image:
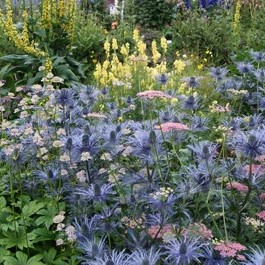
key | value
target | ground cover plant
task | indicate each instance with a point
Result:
(158, 159)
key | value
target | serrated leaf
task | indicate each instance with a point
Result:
(42, 234)
(2, 203)
(32, 208)
(48, 257)
(35, 260)
(3, 254)
(22, 258)
(19, 238)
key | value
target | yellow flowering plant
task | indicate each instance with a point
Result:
(132, 68)
(45, 39)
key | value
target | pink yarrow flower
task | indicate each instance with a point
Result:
(230, 250)
(255, 169)
(261, 215)
(149, 94)
(196, 230)
(158, 231)
(237, 186)
(262, 196)
(169, 126)
(260, 158)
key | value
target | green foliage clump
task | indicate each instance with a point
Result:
(153, 14)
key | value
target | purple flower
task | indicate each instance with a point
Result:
(144, 257)
(250, 144)
(96, 192)
(192, 81)
(162, 79)
(245, 68)
(258, 56)
(218, 72)
(183, 251)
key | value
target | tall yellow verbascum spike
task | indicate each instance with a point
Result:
(237, 16)
(163, 43)
(21, 41)
(61, 8)
(46, 18)
(156, 55)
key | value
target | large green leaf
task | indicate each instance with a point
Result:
(19, 238)
(22, 259)
(32, 208)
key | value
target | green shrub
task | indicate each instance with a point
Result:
(153, 14)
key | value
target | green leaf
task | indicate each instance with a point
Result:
(2, 203)
(11, 261)
(43, 234)
(32, 208)
(22, 258)
(19, 238)
(48, 257)
(3, 254)
(35, 260)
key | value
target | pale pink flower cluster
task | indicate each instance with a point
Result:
(197, 230)
(255, 169)
(169, 126)
(262, 196)
(237, 186)
(158, 231)
(150, 94)
(260, 158)
(261, 215)
(70, 233)
(230, 250)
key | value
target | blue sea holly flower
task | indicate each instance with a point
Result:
(258, 56)
(218, 73)
(112, 258)
(204, 150)
(245, 68)
(250, 144)
(262, 103)
(190, 102)
(212, 257)
(96, 192)
(92, 249)
(88, 94)
(192, 81)
(144, 143)
(260, 75)
(65, 97)
(198, 124)
(256, 257)
(86, 228)
(183, 251)
(162, 79)
(144, 257)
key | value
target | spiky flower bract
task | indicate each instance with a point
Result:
(144, 257)
(256, 257)
(183, 251)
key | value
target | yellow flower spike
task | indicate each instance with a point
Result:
(163, 43)
(48, 65)
(124, 51)
(179, 66)
(237, 16)
(136, 35)
(156, 55)
(114, 44)
(107, 47)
